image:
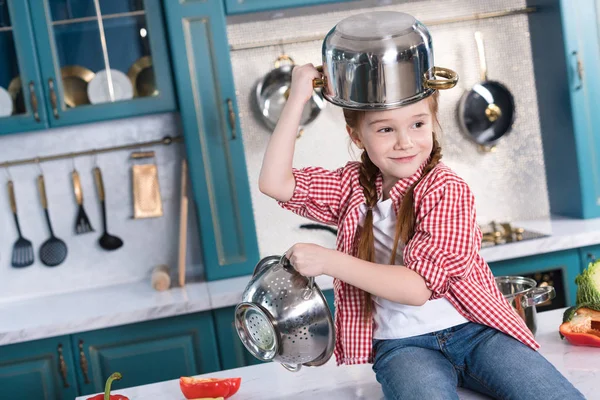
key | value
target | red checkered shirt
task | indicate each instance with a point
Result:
(444, 250)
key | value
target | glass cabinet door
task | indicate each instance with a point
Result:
(20, 92)
(102, 59)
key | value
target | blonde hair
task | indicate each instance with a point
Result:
(405, 224)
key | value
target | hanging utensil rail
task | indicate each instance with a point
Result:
(167, 140)
(443, 21)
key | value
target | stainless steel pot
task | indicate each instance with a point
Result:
(380, 60)
(284, 317)
(523, 295)
(272, 92)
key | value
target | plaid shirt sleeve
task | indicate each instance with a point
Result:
(317, 195)
(446, 238)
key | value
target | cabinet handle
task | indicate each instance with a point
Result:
(53, 99)
(231, 118)
(62, 365)
(34, 102)
(83, 363)
(579, 69)
(591, 257)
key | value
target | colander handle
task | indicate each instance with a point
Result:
(307, 292)
(292, 368)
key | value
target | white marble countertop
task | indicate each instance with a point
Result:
(270, 381)
(68, 313)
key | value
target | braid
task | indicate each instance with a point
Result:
(405, 225)
(366, 246)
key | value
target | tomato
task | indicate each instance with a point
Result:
(194, 388)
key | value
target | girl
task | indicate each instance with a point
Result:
(412, 294)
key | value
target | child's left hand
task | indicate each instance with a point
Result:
(311, 259)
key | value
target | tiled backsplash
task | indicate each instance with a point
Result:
(147, 242)
(509, 184)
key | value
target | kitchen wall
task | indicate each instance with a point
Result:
(147, 242)
(509, 184)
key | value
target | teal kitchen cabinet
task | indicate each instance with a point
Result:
(71, 62)
(146, 352)
(562, 267)
(248, 6)
(213, 141)
(566, 55)
(20, 82)
(232, 352)
(42, 370)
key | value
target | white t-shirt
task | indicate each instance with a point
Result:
(394, 320)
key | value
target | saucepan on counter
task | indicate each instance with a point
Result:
(379, 61)
(486, 112)
(272, 92)
(523, 295)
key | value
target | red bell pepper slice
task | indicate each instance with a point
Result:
(106, 395)
(194, 388)
(582, 328)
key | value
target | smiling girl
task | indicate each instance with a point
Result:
(412, 294)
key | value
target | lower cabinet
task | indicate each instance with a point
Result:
(232, 352)
(557, 269)
(41, 370)
(147, 352)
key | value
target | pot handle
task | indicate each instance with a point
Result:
(451, 79)
(538, 295)
(308, 290)
(284, 57)
(317, 83)
(292, 368)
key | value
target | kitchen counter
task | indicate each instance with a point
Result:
(270, 381)
(74, 312)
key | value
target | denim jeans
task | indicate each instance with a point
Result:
(473, 356)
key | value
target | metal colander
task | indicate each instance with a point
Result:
(284, 317)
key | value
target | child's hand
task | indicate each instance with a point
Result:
(311, 259)
(302, 83)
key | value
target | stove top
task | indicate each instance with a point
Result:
(495, 234)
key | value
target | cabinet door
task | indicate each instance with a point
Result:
(147, 352)
(42, 369)
(212, 134)
(20, 86)
(232, 352)
(568, 106)
(102, 59)
(565, 264)
(246, 6)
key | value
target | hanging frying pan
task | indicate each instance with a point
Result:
(486, 112)
(271, 95)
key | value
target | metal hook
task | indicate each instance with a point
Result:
(39, 164)
(95, 153)
(7, 172)
(73, 161)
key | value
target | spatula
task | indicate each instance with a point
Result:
(82, 222)
(53, 251)
(22, 254)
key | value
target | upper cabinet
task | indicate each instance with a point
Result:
(248, 6)
(96, 60)
(213, 140)
(20, 83)
(569, 98)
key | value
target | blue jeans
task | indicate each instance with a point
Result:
(473, 356)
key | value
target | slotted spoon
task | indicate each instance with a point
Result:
(53, 251)
(82, 222)
(22, 254)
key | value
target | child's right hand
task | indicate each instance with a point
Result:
(302, 83)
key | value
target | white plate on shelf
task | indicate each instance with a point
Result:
(6, 103)
(98, 87)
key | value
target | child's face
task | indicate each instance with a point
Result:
(398, 141)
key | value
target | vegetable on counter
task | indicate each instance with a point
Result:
(581, 325)
(107, 396)
(588, 284)
(211, 388)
